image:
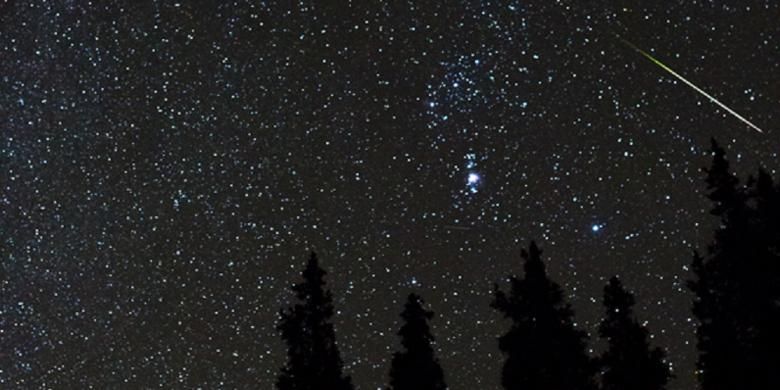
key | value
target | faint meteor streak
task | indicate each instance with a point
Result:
(690, 84)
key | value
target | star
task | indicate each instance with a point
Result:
(472, 182)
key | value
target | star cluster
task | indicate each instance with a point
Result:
(166, 167)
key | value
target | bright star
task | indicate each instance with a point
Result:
(595, 228)
(472, 182)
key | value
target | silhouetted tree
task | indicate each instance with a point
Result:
(736, 283)
(714, 288)
(628, 362)
(313, 361)
(765, 287)
(543, 349)
(416, 368)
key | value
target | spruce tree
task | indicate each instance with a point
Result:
(628, 362)
(716, 285)
(313, 361)
(416, 368)
(543, 349)
(736, 283)
(761, 305)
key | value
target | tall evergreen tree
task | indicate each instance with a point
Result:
(416, 368)
(766, 288)
(716, 292)
(313, 361)
(628, 362)
(736, 288)
(543, 348)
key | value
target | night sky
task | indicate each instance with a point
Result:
(167, 167)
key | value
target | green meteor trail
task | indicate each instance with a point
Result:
(688, 83)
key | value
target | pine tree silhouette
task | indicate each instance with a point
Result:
(765, 289)
(416, 368)
(628, 362)
(736, 288)
(544, 351)
(714, 289)
(313, 362)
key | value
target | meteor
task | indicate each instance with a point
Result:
(688, 83)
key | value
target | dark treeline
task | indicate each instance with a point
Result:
(736, 290)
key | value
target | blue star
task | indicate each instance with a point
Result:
(472, 182)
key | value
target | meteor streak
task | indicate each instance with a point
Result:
(688, 83)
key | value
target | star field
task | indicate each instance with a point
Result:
(167, 167)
